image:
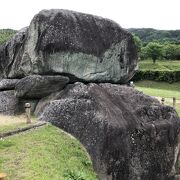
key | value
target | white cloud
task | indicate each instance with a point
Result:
(160, 14)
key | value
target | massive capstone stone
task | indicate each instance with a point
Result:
(83, 47)
(129, 135)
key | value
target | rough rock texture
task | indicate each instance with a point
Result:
(44, 101)
(8, 84)
(129, 136)
(11, 53)
(9, 104)
(12, 105)
(36, 86)
(82, 46)
(178, 164)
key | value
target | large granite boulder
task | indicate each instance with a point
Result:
(81, 46)
(9, 104)
(8, 84)
(129, 135)
(12, 105)
(36, 86)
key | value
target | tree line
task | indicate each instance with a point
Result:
(148, 35)
(6, 34)
(157, 49)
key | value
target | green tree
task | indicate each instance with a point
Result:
(6, 34)
(143, 54)
(171, 51)
(154, 50)
(148, 35)
(138, 43)
(177, 52)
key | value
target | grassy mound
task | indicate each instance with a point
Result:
(44, 153)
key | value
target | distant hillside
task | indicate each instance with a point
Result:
(6, 34)
(148, 34)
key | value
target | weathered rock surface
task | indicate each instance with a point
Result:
(129, 136)
(36, 86)
(8, 84)
(9, 104)
(45, 101)
(11, 53)
(84, 47)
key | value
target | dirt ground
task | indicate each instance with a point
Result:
(8, 120)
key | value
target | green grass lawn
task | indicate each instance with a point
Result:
(161, 89)
(44, 153)
(12, 127)
(160, 65)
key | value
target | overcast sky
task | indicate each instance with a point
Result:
(159, 14)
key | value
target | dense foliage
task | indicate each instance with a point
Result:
(163, 70)
(148, 35)
(167, 76)
(155, 50)
(6, 34)
(161, 45)
(171, 51)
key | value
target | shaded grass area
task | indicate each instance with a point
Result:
(161, 89)
(160, 65)
(44, 153)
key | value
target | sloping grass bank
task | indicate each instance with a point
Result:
(44, 153)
